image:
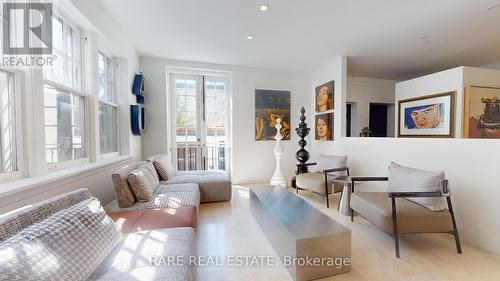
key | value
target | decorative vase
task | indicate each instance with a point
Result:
(278, 178)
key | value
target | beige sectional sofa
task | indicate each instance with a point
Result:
(183, 188)
(70, 237)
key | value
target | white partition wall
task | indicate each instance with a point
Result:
(471, 165)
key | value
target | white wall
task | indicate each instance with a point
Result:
(471, 165)
(253, 162)
(362, 91)
(98, 179)
(441, 82)
(495, 65)
(336, 70)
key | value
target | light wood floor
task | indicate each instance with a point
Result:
(229, 229)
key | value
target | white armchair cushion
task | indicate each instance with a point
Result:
(332, 162)
(406, 179)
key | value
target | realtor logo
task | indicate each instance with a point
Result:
(27, 28)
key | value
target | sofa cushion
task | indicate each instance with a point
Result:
(124, 194)
(412, 217)
(172, 199)
(138, 256)
(406, 179)
(152, 170)
(17, 220)
(151, 219)
(332, 162)
(178, 187)
(68, 245)
(142, 183)
(213, 187)
(164, 167)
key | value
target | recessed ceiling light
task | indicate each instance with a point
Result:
(494, 6)
(264, 7)
(250, 37)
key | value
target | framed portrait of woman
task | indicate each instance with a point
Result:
(324, 97)
(428, 116)
(324, 127)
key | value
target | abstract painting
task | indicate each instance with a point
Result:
(324, 97)
(481, 113)
(324, 127)
(269, 106)
(427, 116)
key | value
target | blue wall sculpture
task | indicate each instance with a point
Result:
(137, 111)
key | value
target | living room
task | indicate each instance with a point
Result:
(189, 143)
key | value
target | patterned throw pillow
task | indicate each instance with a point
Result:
(142, 183)
(124, 195)
(164, 168)
(68, 245)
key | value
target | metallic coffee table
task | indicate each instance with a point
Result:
(298, 230)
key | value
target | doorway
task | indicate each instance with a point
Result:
(200, 107)
(381, 120)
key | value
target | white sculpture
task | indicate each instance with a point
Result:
(278, 178)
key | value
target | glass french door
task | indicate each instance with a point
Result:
(200, 122)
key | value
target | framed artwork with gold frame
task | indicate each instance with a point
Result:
(481, 112)
(324, 96)
(431, 116)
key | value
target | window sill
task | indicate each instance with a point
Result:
(69, 174)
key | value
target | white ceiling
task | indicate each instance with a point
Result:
(382, 38)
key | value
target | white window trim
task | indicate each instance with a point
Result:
(117, 99)
(225, 75)
(19, 123)
(53, 167)
(30, 107)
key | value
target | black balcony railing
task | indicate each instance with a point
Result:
(188, 156)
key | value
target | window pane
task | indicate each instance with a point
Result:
(66, 67)
(64, 125)
(108, 128)
(56, 71)
(69, 42)
(106, 89)
(8, 141)
(102, 89)
(210, 104)
(101, 65)
(57, 33)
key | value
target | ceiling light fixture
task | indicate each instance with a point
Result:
(250, 37)
(494, 6)
(264, 7)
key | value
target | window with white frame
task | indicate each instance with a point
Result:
(108, 106)
(64, 100)
(8, 124)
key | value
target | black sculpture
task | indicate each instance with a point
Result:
(302, 155)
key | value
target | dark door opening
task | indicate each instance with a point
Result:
(348, 120)
(378, 120)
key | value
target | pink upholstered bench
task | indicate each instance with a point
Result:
(151, 219)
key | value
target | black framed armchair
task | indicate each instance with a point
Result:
(398, 212)
(322, 182)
